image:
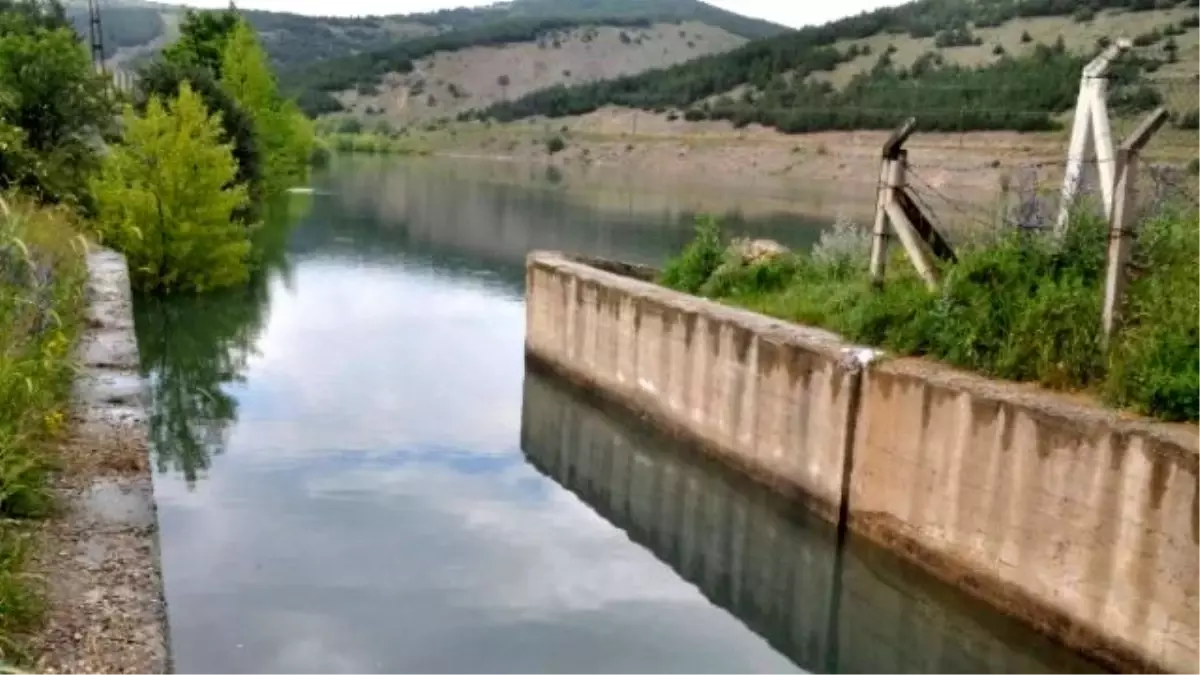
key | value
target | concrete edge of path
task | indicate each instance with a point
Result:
(99, 555)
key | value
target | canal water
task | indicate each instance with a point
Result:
(355, 471)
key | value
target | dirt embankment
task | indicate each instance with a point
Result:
(952, 171)
(98, 556)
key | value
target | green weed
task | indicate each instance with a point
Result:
(1020, 307)
(42, 273)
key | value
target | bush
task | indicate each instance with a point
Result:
(555, 144)
(699, 259)
(166, 198)
(1026, 38)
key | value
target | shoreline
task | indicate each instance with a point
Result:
(963, 176)
(98, 554)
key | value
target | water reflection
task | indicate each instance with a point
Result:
(466, 209)
(193, 348)
(776, 568)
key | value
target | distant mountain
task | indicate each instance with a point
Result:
(293, 40)
(963, 64)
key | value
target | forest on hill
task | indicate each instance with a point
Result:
(776, 81)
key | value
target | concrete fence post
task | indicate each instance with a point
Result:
(1121, 223)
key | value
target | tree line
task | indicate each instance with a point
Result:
(179, 181)
(1020, 93)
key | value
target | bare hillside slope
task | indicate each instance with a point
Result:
(446, 83)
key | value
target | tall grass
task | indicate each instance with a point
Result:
(42, 273)
(1019, 307)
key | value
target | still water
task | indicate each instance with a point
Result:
(356, 472)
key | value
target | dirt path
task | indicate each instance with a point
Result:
(99, 555)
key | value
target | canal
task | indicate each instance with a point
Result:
(355, 472)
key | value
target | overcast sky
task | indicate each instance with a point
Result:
(794, 13)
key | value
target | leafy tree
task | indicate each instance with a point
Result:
(51, 94)
(166, 198)
(202, 38)
(163, 79)
(285, 136)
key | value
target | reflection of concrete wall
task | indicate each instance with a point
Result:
(775, 401)
(1072, 518)
(778, 573)
(735, 549)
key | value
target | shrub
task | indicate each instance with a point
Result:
(555, 144)
(699, 259)
(166, 198)
(1026, 38)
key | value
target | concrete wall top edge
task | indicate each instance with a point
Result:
(1070, 409)
(812, 339)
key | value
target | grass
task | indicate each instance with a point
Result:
(42, 272)
(373, 143)
(1017, 306)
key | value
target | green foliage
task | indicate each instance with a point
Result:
(368, 143)
(555, 144)
(1154, 367)
(1021, 308)
(49, 92)
(699, 259)
(202, 38)
(163, 79)
(42, 275)
(285, 136)
(1023, 94)
(166, 197)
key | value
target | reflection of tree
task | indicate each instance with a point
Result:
(192, 347)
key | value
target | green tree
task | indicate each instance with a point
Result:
(163, 79)
(285, 136)
(202, 38)
(51, 94)
(166, 197)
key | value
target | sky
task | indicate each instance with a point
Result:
(793, 13)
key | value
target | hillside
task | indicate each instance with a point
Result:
(446, 83)
(294, 41)
(961, 65)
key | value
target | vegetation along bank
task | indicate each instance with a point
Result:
(179, 176)
(1016, 306)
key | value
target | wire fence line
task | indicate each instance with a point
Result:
(1030, 200)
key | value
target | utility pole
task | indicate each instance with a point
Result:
(97, 35)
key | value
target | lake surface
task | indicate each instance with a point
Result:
(356, 472)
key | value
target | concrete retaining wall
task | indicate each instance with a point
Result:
(1078, 520)
(105, 610)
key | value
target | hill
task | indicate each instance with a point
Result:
(450, 74)
(293, 41)
(960, 64)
